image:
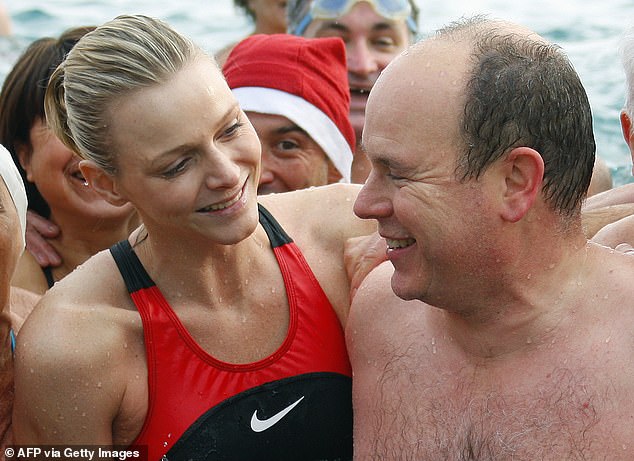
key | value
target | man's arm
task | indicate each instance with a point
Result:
(617, 233)
(595, 219)
(615, 196)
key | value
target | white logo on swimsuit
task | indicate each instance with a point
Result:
(259, 425)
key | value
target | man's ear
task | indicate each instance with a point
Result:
(626, 128)
(102, 182)
(523, 178)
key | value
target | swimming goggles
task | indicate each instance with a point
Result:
(332, 9)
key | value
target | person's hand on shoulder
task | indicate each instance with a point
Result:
(361, 255)
(38, 229)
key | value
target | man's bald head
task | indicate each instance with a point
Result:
(506, 86)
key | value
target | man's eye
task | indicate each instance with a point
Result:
(287, 145)
(385, 42)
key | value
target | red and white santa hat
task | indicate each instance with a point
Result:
(304, 80)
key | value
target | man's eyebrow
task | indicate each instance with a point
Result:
(333, 24)
(290, 129)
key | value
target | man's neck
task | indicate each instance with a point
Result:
(526, 312)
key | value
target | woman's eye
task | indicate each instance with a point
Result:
(176, 169)
(233, 128)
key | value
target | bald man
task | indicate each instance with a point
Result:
(482, 151)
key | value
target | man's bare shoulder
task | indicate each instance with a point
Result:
(377, 316)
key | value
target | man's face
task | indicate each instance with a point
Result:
(372, 41)
(291, 159)
(433, 223)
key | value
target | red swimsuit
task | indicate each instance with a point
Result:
(294, 404)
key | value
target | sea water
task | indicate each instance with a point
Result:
(587, 30)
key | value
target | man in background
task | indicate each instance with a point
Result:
(374, 31)
(295, 93)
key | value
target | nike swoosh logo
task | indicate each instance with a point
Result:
(259, 425)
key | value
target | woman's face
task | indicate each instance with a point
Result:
(54, 169)
(187, 156)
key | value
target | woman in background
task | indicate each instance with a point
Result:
(55, 187)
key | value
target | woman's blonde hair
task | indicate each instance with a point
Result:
(122, 56)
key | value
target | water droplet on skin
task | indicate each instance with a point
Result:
(607, 340)
(605, 296)
(529, 340)
(528, 277)
(433, 346)
(551, 266)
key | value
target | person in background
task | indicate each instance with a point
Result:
(55, 187)
(13, 204)
(621, 231)
(374, 31)
(217, 326)
(496, 330)
(268, 16)
(295, 93)
(5, 20)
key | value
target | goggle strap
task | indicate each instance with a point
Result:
(303, 24)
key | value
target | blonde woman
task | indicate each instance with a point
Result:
(215, 330)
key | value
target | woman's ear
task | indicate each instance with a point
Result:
(23, 152)
(523, 178)
(102, 182)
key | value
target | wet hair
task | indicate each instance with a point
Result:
(22, 99)
(122, 56)
(244, 5)
(523, 91)
(296, 10)
(627, 60)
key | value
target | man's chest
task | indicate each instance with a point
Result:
(429, 414)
